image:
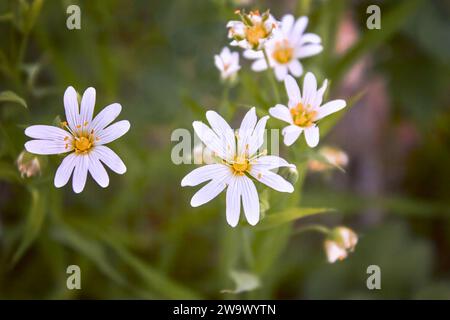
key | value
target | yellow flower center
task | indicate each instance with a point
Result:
(240, 165)
(283, 53)
(255, 33)
(303, 116)
(82, 144)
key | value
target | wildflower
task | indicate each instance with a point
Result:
(240, 160)
(339, 243)
(84, 138)
(28, 165)
(228, 64)
(288, 46)
(304, 110)
(333, 157)
(252, 31)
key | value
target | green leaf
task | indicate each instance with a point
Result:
(33, 14)
(33, 225)
(245, 281)
(9, 96)
(90, 248)
(6, 17)
(288, 215)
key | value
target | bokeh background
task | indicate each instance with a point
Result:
(139, 238)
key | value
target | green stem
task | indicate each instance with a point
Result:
(273, 80)
(312, 227)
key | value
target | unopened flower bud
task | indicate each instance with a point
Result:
(339, 243)
(332, 158)
(289, 173)
(28, 164)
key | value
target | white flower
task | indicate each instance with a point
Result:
(240, 161)
(84, 137)
(288, 46)
(228, 63)
(341, 241)
(304, 110)
(252, 31)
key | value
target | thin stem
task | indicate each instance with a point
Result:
(272, 76)
(313, 227)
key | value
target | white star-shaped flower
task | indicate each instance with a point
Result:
(289, 44)
(252, 31)
(239, 163)
(85, 139)
(228, 63)
(304, 110)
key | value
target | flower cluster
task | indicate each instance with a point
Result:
(237, 161)
(278, 45)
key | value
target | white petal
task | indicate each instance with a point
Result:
(295, 68)
(281, 112)
(71, 108)
(210, 139)
(310, 38)
(233, 203)
(222, 128)
(46, 132)
(208, 192)
(205, 173)
(64, 170)
(246, 130)
(110, 158)
(250, 199)
(281, 72)
(218, 62)
(106, 116)
(259, 65)
(257, 138)
(80, 173)
(46, 147)
(309, 88)
(286, 23)
(271, 162)
(292, 89)
(312, 136)
(319, 95)
(300, 26)
(308, 51)
(330, 107)
(87, 106)
(291, 134)
(97, 170)
(271, 179)
(113, 132)
(252, 54)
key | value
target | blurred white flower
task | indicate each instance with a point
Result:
(304, 110)
(239, 160)
(289, 44)
(252, 31)
(228, 64)
(333, 158)
(28, 164)
(84, 137)
(339, 243)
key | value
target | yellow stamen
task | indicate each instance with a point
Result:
(82, 144)
(283, 53)
(303, 116)
(255, 33)
(240, 166)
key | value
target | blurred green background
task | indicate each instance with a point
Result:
(139, 238)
